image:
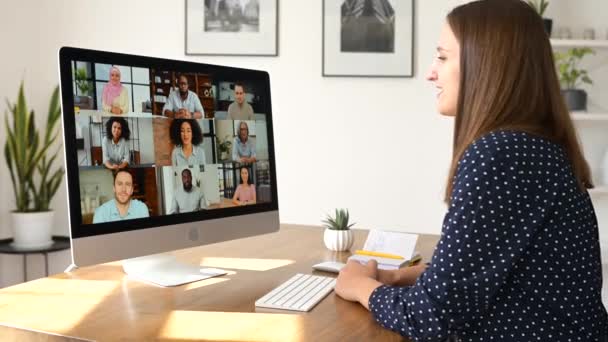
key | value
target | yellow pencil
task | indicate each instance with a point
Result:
(378, 254)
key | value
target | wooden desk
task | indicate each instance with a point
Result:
(101, 303)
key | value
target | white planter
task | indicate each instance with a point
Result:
(32, 230)
(338, 240)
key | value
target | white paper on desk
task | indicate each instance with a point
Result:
(402, 244)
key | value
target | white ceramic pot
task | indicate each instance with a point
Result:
(32, 230)
(338, 240)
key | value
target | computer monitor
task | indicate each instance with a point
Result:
(162, 155)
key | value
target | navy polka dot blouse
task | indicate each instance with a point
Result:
(518, 258)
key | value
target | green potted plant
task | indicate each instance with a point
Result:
(84, 86)
(35, 181)
(571, 76)
(337, 235)
(223, 147)
(540, 7)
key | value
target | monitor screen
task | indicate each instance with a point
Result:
(153, 142)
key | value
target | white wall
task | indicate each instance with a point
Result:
(373, 145)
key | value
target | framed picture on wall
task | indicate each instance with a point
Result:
(232, 27)
(368, 38)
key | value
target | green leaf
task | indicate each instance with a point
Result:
(9, 162)
(543, 7)
(12, 145)
(570, 74)
(21, 123)
(587, 80)
(339, 221)
(539, 7)
(53, 115)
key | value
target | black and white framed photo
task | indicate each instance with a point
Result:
(368, 38)
(232, 27)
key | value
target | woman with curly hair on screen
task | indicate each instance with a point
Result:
(115, 145)
(187, 136)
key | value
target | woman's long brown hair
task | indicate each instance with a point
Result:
(508, 80)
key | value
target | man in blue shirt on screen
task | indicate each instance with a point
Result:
(183, 103)
(122, 207)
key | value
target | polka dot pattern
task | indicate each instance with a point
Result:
(518, 258)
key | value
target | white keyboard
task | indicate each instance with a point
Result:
(300, 293)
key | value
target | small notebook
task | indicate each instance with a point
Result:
(396, 243)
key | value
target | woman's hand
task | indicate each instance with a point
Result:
(388, 277)
(356, 282)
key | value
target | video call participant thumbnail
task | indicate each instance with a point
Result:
(115, 145)
(243, 150)
(183, 103)
(187, 136)
(245, 192)
(240, 109)
(121, 207)
(115, 96)
(187, 197)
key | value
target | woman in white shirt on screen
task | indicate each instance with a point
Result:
(115, 97)
(115, 146)
(187, 136)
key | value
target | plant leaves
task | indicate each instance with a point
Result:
(9, 162)
(339, 221)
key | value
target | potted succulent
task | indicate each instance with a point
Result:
(540, 7)
(570, 76)
(33, 177)
(223, 146)
(337, 235)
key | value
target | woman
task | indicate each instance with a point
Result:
(244, 149)
(518, 258)
(245, 192)
(187, 136)
(115, 145)
(115, 97)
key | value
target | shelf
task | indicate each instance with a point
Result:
(580, 43)
(582, 116)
